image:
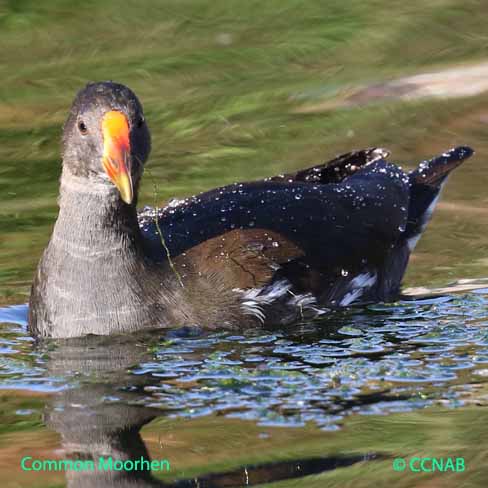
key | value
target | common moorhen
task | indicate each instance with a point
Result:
(265, 252)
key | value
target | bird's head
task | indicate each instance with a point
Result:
(106, 138)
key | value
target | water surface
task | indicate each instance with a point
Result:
(321, 381)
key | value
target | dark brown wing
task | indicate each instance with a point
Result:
(243, 258)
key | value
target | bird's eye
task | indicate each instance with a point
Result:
(140, 122)
(82, 127)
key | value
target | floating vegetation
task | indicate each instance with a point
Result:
(379, 360)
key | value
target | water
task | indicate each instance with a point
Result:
(316, 378)
(384, 359)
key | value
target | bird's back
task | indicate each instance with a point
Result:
(337, 233)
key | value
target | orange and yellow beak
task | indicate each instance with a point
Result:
(116, 153)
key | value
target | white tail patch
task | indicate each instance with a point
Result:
(412, 241)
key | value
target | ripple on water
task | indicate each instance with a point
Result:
(376, 361)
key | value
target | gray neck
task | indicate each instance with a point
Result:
(93, 277)
(93, 221)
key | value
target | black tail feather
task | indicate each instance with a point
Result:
(435, 171)
(426, 183)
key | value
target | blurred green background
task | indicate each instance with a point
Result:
(239, 90)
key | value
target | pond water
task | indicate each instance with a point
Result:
(426, 354)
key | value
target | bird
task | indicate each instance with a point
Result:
(273, 252)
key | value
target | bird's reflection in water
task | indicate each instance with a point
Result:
(95, 418)
(98, 417)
